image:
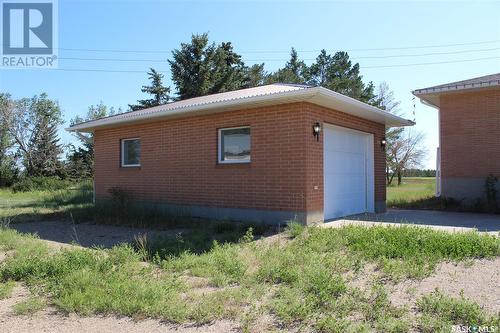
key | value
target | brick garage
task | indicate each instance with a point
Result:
(179, 164)
(469, 134)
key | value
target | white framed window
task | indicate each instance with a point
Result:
(131, 152)
(234, 145)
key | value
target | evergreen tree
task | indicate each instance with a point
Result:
(295, 71)
(199, 68)
(159, 92)
(337, 73)
(255, 75)
(46, 151)
(42, 158)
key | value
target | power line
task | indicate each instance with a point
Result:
(101, 70)
(288, 51)
(307, 59)
(431, 63)
(391, 48)
(363, 67)
(427, 54)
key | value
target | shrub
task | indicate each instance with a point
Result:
(27, 184)
(9, 173)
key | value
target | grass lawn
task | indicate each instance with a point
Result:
(36, 205)
(411, 191)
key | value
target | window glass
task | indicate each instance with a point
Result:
(131, 152)
(235, 145)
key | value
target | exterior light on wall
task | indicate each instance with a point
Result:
(383, 143)
(316, 130)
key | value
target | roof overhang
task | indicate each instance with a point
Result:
(316, 95)
(430, 96)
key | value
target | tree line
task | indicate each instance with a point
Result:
(30, 145)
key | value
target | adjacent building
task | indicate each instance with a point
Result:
(469, 134)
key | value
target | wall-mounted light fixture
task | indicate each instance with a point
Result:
(316, 130)
(383, 143)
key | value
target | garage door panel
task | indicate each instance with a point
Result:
(345, 172)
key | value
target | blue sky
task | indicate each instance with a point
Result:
(264, 31)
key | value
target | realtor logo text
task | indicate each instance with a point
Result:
(29, 34)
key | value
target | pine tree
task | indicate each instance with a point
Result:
(159, 92)
(255, 75)
(295, 71)
(199, 68)
(46, 151)
(337, 73)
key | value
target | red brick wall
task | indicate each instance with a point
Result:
(470, 134)
(179, 159)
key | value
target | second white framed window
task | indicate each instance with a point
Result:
(234, 145)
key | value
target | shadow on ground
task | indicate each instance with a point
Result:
(162, 242)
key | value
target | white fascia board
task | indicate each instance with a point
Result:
(218, 106)
(458, 87)
(368, 111)
(363, 109)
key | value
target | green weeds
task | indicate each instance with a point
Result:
(439, 312)
(301, 282)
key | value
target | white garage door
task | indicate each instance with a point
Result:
(348, 172)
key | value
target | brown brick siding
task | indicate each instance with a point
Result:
(470, 134)
(179, 159)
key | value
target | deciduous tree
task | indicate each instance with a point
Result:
(80, 159)
(32, 124)
(404, 148)
(8, 167)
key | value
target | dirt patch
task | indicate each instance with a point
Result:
(477, 280)
(47, 322)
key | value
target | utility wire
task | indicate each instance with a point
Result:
(288, 51)
(431, 63)
(363, 67)
(310, 59)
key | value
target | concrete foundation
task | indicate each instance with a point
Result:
(380, 207)
(224, 213)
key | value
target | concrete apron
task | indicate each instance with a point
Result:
(437, 220)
